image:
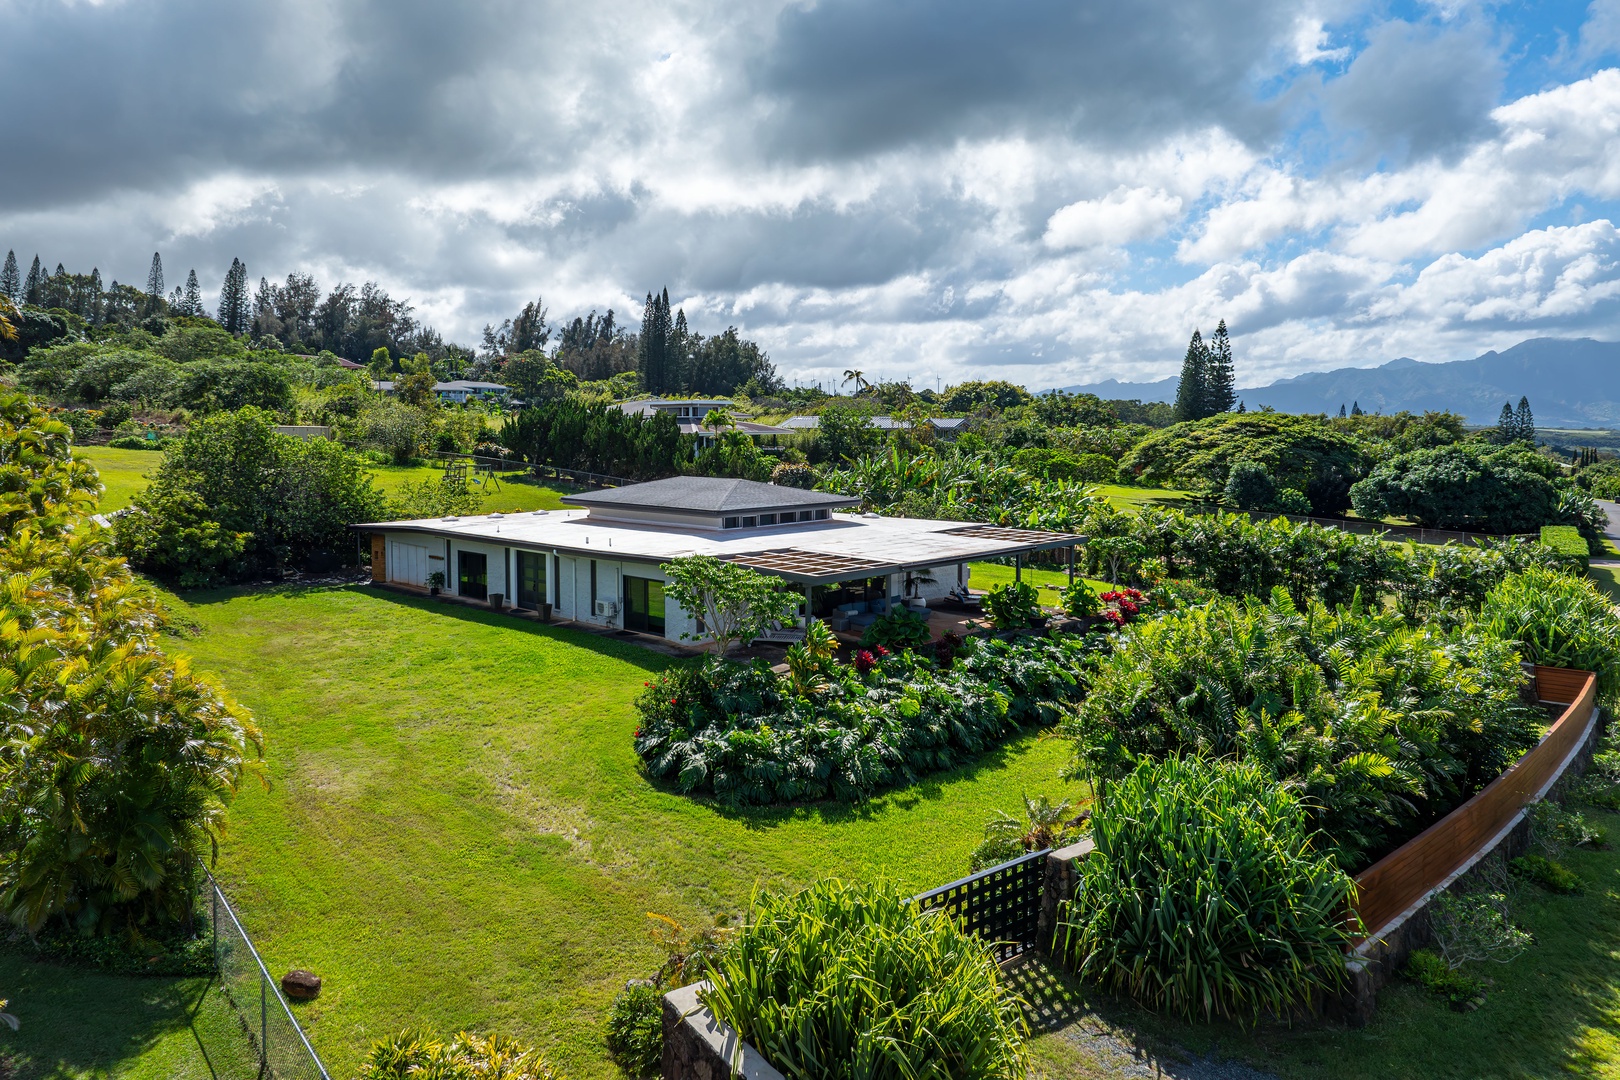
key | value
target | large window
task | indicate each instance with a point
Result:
(644, 605)
(472, 574)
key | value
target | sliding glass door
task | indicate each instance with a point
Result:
(644, 605)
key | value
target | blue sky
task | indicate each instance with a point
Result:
(1033, 189)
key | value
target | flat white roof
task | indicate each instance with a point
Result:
(876, 545)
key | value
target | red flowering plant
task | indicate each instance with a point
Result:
(1121, 606)
(864, 661)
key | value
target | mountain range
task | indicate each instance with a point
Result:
(1571, 383)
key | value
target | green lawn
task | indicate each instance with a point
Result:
(1553, 1011)
(80, 1023)
(124, 473)
(457, 833)
(1134, 498)
(1048, 583)
(517, 491)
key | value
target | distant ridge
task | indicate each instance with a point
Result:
(1571, 383)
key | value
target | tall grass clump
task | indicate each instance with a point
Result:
(1558, 621)
(845, 980)
(1207, 895)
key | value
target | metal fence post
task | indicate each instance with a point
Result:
(264, 1025)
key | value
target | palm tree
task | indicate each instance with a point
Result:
(857, 377)
(719, 418)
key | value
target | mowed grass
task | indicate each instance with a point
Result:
(124, 473)
(457, 833)
(76, 1022)
(1048, 583)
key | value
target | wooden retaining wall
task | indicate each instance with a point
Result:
(1401, 879)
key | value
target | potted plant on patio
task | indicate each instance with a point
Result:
(435, 582)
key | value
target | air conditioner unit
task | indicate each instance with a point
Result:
(607, 608)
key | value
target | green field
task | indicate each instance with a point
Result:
(124, 473)
(458, 835)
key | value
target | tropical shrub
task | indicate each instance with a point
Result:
(419, 1055)
(1043, 825)
(1550, 875)
(1012, 606)
(746, 735)
(635, 1030)
(1554, 829)
(854, 981)
(899, 629)
(1429, 970)
(1474, 927)
(1207, 895)
(116, 761)
(1079, 601)
(1558, 621)
(1448, 583)
(1380, 726)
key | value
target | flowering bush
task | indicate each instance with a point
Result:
(1123, 605)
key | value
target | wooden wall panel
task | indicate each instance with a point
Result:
(1401, 878)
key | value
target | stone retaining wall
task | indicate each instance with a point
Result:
(697, 1046)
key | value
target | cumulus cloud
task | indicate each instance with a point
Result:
(1035, 189)
(1121, 216)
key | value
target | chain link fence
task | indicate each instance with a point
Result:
(279, 1044)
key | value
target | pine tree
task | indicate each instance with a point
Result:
(1220, 380)
(34, 287)
(233, 299)
(93, 300)
(1341, 410)
(1190, 401)
(154, 277)
(1507, 427)
(1242, 408)
(11, 278)
(652, 351)
(192, 301)
(1355, 409)
(1524, 423)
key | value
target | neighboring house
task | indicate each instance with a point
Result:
(599, 564)
(689, 415)
(305, 431)
(458, 390)
(945, 425)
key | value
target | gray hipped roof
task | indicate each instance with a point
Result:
(708, 494)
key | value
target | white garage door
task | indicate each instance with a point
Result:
(407, 563)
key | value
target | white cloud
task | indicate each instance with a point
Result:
(1120, 217)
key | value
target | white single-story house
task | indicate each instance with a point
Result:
(457, 390)
(599, 562)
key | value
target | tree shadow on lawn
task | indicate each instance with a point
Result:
(929, 789)
(630, 652)
(78, 1020)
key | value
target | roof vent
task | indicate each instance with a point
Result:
(870, 514)
(496, 514)
(451, 517)
(541, 513)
